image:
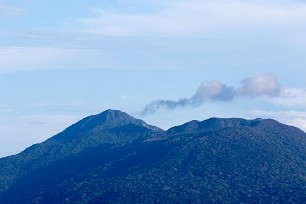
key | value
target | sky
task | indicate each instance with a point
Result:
(166, 62)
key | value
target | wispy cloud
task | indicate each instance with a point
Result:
(215, 21)
(291, 117)
(256, 86)
(74, 50)
(10, 11)
(197, 17)
(290, 97)
(20, 58)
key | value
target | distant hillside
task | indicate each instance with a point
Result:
(115, 158)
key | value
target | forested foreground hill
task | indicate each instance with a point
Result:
(114, 158)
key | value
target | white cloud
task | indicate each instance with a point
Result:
(294, 118)
(23, 57)
(260, 86)
(198, 17)
(73, 50)
(265, 84)
(214, 90)
(290, 97)
(17, 58)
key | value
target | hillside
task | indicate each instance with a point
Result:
(114, 158)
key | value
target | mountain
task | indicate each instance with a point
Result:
(213, 123)
(115, 158)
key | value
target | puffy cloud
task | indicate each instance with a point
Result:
(256, 86)
(260, 85)
(213, 90)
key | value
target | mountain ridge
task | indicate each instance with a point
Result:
(113, 152)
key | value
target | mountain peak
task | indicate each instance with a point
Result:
(113, 118)
(106, 120)
(113, 112)
(110, 118)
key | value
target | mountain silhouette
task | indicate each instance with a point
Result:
(113, 157)
(107, 120)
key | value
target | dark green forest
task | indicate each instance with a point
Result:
(115, 158)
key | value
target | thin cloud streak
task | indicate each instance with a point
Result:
(21, 58)
(291, 117)
(290, 97)
(197, 17)
(10, 11)
(256, 86)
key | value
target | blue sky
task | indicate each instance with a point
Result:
(62, 61)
